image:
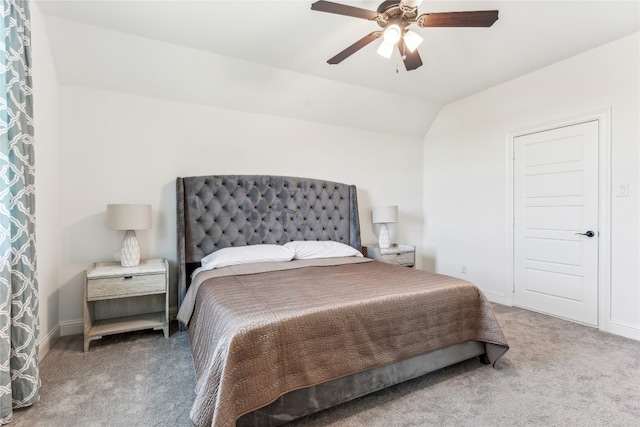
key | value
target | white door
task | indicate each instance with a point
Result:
(555, 193)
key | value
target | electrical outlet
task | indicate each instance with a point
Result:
(463, 269)
(623, 190)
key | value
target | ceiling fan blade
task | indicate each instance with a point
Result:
(481, 18)
(354, 47)
(343, 9)
(411, 60)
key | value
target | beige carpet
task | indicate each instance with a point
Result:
(556, 373)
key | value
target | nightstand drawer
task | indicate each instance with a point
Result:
(404, 255)
(123, 286)
(399, 258)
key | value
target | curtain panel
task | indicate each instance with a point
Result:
(19, 328)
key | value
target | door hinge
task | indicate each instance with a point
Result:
(514, 287)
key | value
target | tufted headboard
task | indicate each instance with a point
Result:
(218, 211)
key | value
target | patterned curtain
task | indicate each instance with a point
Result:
(19, 372)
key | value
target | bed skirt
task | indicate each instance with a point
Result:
(305, 401)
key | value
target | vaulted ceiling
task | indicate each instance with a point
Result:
(280, 41)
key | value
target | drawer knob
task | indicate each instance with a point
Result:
(128, 277)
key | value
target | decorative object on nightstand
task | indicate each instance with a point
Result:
(383, 215)
(129, 217)
(118, 299)
(395, 254)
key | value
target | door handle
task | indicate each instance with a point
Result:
(588, 234)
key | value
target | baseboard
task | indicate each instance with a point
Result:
(625, 329)
(494, 296)
(71, 327)
(47, 342)
(616, 327)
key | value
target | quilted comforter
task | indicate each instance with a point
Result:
(258, 331)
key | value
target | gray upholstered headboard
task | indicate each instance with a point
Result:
(218, 211)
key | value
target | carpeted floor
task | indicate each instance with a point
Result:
(556, 373)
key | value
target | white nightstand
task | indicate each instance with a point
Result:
(124, 299)
(395, 254)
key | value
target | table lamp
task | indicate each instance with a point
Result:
(129, 217)
(383, 215)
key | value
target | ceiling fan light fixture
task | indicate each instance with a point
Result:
(386, 49)
(392, 34)
(412, 40)
(394, 17)
(412, 3)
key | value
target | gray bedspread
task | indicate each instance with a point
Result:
(262, 331)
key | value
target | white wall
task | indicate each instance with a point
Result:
(133, 114)
(119, 148)
(99, 58)
(466, 170)
(45, 86)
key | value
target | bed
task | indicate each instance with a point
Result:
(274, 339)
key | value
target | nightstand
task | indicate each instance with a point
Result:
(395, 254)
(123, 299)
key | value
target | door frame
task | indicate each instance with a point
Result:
(604, 206)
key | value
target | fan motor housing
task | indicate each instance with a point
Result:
(393, 11)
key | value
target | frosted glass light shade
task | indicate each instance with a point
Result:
(412, 40)
(386, 49)
(384, 214)
(412, 3)
(392, 34)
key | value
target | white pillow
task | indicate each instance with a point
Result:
(246, 254)
(309, 249)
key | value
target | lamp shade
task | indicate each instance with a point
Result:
(386, 49)
(412, 40)
(384, 214)
(392, 34)
(128, 217)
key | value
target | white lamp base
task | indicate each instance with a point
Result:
(384, 240)
(130, 255)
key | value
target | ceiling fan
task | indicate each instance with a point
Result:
(395, 17)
